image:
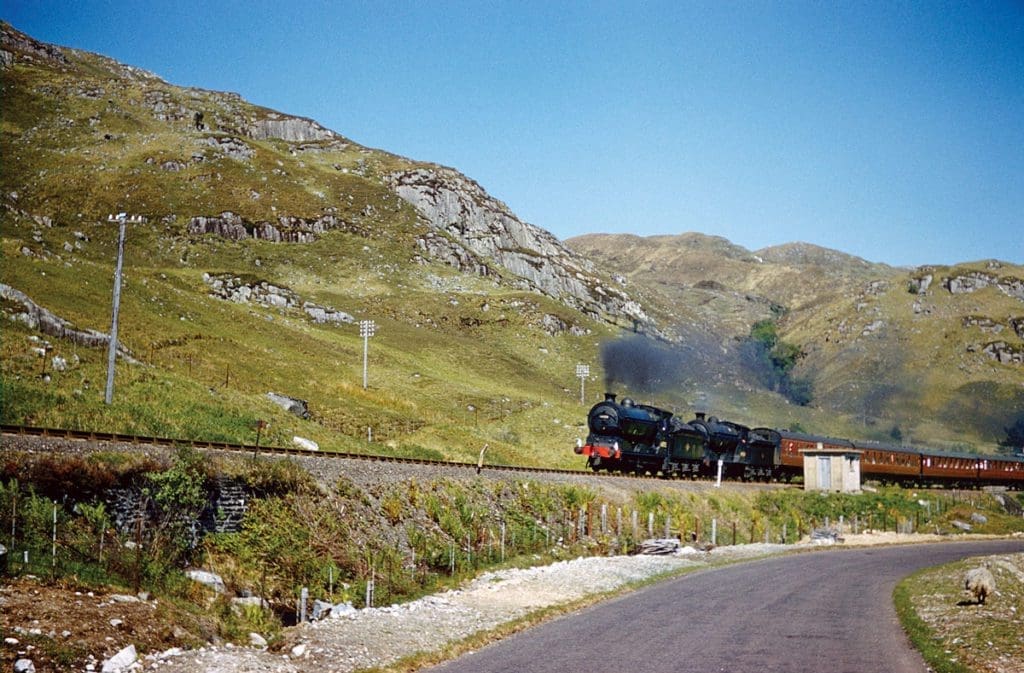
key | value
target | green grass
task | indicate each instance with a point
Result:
(447, 342)
(932, 649)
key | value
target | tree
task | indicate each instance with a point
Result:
(772, 361)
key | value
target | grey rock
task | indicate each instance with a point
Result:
(321, 610)
(292, 405)
(120, 661)
(478, 234)
(292, 129)
(206, 578)
(24, 666)
(306, 444)
(37, 317)
(339, 610)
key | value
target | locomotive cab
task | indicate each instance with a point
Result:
(626, 436)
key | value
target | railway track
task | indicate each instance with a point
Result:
(141, 440)
(205, 445)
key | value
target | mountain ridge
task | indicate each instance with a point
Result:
(261, 225)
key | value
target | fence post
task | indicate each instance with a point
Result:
(53, 553)
(714, 531)
(303, 597)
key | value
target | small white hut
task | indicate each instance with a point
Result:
(833, 469)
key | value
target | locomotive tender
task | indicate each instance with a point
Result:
(642, 439)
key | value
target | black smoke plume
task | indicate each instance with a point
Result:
(640, 363)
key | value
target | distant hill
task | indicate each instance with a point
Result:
(268, 237)
(931, 354)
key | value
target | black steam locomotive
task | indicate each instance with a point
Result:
(642, 439)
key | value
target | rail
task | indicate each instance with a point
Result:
(112, 437)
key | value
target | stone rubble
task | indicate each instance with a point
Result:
(349, 640)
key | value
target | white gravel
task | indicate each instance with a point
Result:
(380, 636)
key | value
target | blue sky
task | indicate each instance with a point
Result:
(893, 131)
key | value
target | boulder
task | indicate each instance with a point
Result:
(303, 443)
(120, 661)
(208, 579)
(290, 404)
(322, 610)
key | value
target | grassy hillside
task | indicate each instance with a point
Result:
(888, 357)
(459, 360)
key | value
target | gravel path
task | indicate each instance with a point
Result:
(380, 636)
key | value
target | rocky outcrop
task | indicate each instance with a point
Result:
(15, 43)
(285, 230)
(920, 284)
(230, 287)
(987, 325)
(1018, 326)
(1000, 351)
(478, 234)
(972, 281)
(234, 148)
(292, 129)
(38, 318)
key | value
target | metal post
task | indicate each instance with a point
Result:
(582, 372)
(121, 219)
(718, 480)
(366, 330)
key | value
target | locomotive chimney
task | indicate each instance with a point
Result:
(609, 397)
(700, 415)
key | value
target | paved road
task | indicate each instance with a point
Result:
(829, 611)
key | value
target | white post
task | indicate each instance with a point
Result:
(582, 372)
(714, 528)
(366, 330)
(53, 554)
(718, 481)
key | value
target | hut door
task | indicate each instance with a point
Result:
(825, 473)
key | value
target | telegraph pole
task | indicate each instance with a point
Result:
(121, 219)
(582, 372)
(366, 330)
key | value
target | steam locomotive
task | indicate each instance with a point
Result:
(642, 439)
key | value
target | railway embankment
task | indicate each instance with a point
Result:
(359, 533)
